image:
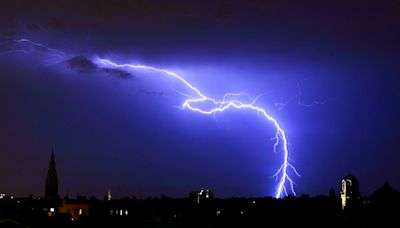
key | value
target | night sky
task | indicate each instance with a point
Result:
(328, 72)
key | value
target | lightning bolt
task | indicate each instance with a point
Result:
(193, 103)
(297, 97)
(33, 46)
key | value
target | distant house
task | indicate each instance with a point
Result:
(75, 209)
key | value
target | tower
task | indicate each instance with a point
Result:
(350, 193)
(51, 191)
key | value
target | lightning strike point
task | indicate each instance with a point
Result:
(222, 105)
(228, 101)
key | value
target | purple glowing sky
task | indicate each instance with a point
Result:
(124, 130)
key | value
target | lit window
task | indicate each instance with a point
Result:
(349, 182)
(126, 212)
(52, 209)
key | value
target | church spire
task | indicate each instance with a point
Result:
(51, 191)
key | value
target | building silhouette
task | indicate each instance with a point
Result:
(51, 190)
(350, 193)
(386, 196)
(201, 196)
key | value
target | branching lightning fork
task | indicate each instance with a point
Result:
(220, 106)
(194, 101)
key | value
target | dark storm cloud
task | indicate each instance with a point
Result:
(344, 47)
(32, 27)
(7, 27)
(260, 4)
(101, 8)
(137, 9)
(83, 64)
(55, 24)
(225, 14)
(58, 13)
(121, 74)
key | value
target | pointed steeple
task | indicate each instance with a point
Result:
(51, 191)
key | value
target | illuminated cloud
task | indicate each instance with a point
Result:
(83, 64)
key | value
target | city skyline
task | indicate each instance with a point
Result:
(327, 73)
(51, 190)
